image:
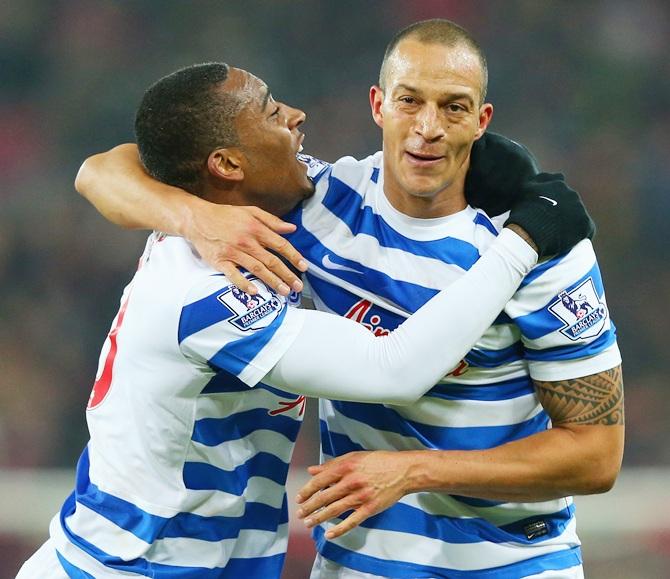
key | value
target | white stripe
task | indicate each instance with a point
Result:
(534, 296)
(79, 558)
(570, 369)
(489, 376)
(250, 544)
(225, 404)
(443, 504)
(366, 250)
(409, 548)
(177, 551)
(470, 413)
(498, 337)
(364, 435)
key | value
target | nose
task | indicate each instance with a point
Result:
(428, 123)
(294, 117)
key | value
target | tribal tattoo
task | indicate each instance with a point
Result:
(594, 399)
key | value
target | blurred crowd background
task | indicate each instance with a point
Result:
(584, 84)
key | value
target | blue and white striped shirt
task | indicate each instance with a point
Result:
(185, 471)
(375, 265)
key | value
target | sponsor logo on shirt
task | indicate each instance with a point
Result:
(358, 313)
(581, 311)
(288, 405)
(251, 312)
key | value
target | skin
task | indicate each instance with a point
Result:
(581, 454)
(226, 236)
(268, 138)
(430, 113)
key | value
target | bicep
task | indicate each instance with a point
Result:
(596, 399)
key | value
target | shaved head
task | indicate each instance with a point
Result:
(436, 31)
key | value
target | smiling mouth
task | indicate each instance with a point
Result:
(423, 159)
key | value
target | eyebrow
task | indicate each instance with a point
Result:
(452, 96)
(265, 98)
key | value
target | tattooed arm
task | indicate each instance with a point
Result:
(581, 454)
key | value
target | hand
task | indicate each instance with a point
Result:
(365, 482)
(552, 214)
(228, 237)
(498, 168)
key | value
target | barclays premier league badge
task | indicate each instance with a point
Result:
(251, 312)
(581, 310)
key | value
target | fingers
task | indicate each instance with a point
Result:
(271, 240)
(237, 278)
(315, 484)
(272, 221)
(352, 521)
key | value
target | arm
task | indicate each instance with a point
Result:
(580, 454)
(117, 185)
(353, 364)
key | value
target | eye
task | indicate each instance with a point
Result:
(455, 108)
(275, 113)
(408, 100)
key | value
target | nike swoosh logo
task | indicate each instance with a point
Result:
(330, 264)
(552, 201)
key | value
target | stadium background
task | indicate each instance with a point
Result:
(586, 85)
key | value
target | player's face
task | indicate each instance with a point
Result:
(274, 179)
(430, 114)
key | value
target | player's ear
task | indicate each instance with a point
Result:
(376, 100)
(226, 164)
(485, 116)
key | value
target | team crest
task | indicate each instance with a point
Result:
(251, 312)
(581, 311)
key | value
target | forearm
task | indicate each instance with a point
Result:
(562, 461)
(401, 367)
(119, 188)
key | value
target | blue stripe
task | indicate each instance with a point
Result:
(574, 352)
(72, 571)
(404, 570)
(340, 301)
(375, 175)
(484, 221)
(505, 390)
(542, 322)
(203, 313)
(213, 431)
(439, 437)
(149, 527)
(202, 476)
(224, 381)
(404, 518)
(252, 568)
(235, 356)
(542, 268)
(483, 358)
(347, 204)
(332, 440)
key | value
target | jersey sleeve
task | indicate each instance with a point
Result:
(561, 311)
(227, 329)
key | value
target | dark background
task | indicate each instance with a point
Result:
(585, 85)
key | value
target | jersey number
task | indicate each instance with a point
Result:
(104, 379)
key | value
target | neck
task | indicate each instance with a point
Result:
(447, 201)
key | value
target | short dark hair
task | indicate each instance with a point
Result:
(436, 31)
(182, 118)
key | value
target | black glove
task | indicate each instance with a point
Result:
(552, 214)
(498, 169)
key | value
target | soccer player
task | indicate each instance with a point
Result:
(192, 416)
(476, 478)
